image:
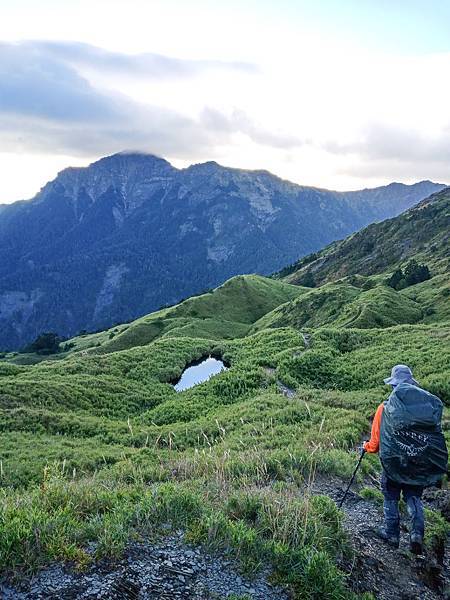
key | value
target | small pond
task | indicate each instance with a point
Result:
(200, 371)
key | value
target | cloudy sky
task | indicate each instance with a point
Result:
(341, 94)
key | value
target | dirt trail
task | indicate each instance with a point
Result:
(306, 339)
(284, 389)
(287, 391)
(388, 573)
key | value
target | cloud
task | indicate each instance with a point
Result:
(240, 122)
(382, 141)
(159, 131)
(397, 152)
(148, 65)
(67, 98)
(48, 104)
(33, 84)
(396, 170)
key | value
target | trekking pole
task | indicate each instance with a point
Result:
(353, 478)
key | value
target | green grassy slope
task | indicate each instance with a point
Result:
(433, 296)
(352, 275)
(123, 397)
(114, 423)
(421, 232)
(224, 313)
(98, 447)
(342, 304)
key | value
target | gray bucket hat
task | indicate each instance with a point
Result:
(400, 374)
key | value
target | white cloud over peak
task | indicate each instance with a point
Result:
(313, 107)
(49, 102)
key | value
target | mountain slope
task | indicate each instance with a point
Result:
(342, 304)
(130, 233)
(100, 455)
(423, 232)
(352, 275)
(227, 312)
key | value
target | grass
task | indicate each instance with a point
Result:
(97, 448)
(227, 312)
(433, 297)
(348, 304)
(57, 520)
(100, 448)
(224, 313)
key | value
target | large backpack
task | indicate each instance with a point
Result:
(412, 446)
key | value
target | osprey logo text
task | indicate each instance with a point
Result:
(411, 442)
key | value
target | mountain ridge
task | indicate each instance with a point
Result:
(427, 223)
(131, 233)
(358, 298)
(130, 154)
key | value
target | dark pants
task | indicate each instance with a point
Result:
(412, 496)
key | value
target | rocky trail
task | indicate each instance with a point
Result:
(376, 567)
(287, 391)
(171, 569)
(166, 570)
(283, 388)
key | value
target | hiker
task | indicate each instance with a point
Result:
(406, 431)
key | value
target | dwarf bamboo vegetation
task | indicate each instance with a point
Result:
(97, 446)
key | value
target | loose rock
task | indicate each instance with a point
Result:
(167, 570)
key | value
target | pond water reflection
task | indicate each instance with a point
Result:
(199, 372)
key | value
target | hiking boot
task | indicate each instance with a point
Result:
(416, 543)
(392, 540)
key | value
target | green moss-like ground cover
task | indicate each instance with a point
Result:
(99, 446)
(96, 445)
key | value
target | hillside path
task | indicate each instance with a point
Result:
(376, 567)
(168, 569)
(287, 391)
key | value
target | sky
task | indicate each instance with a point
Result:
(341, 94)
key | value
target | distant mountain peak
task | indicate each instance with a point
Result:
(130, 156)
(131, 174)
(124, 159)
(130, 232)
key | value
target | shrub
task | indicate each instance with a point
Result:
(413, 273)
(46, 343)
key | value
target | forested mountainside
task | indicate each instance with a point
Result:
(130, 233)
(348, 284)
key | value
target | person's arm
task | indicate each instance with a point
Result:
(373, 444)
